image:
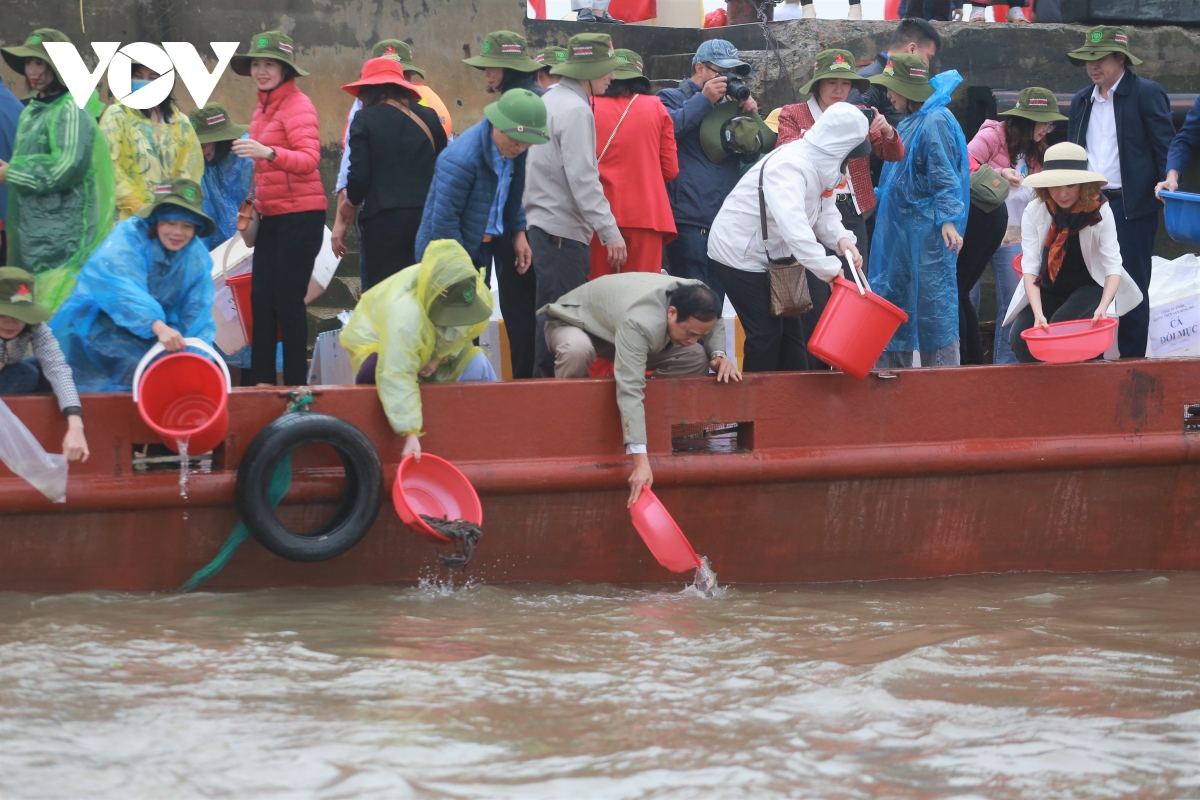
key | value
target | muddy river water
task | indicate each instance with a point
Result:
(984, 687)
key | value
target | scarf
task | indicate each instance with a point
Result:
(1065, 222)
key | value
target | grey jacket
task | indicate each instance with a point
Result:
(563, 195)
(629, 311)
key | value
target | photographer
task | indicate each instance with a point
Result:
(702, 185)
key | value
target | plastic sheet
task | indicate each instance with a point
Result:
(60, 199)
(146, 154)
(392, 319)
(226, 184)
(24, 455)
(1174, 329)
(131, 281)
(910, 264)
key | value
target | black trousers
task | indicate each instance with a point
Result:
(561, 265)
(773, 344)
(518, 302)
(985, 232)
(1081, 304)
(284, 252)
(389, 240)
(1136, 237)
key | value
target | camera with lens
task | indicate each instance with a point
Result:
(736, 88)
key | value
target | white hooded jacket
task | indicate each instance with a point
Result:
(802, 214)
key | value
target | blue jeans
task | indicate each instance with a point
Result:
(947, 356)
(478, 369)
(1007, 281)
(23, 377)
(687, 257)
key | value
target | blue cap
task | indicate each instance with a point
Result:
(723, 54)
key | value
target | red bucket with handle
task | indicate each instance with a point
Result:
(856, 326)
(184, 397)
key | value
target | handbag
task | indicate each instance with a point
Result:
(247, 221)
(789, 282)
(988, 189)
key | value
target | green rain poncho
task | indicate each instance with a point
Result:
(60, 199)
(392, 319)
(146, 154)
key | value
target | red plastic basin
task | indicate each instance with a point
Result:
(854, 329)
(183, 397)
(660, 533)
(1070, 341)
(434, 487)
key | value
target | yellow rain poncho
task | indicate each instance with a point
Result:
(146, 154)
(392, 319)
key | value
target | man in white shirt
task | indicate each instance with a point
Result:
(1124, 123)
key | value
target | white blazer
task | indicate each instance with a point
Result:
(1101, 254)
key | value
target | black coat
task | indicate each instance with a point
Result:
(1144, 134)
(391, 158)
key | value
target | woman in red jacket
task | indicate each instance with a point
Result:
(635, 138)
(290, 200)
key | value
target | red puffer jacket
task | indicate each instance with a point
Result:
(286, 121)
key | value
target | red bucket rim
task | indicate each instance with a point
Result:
(1039, 335)
(887, 305)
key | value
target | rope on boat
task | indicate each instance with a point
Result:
(281, 482)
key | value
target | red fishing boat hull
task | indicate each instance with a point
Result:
(1070, 468)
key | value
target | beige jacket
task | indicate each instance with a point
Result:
(563, 194)
(629, 311)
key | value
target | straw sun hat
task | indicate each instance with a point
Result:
(1065, 164)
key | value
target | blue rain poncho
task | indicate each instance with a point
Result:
(226, 184)
(130, 282)
(910, 263)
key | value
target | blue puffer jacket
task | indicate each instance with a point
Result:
(464, 186)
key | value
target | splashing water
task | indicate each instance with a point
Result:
(705, 581)
(182, 445)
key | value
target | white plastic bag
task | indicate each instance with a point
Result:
(1174, 308)
(22, 454)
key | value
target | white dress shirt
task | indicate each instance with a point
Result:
(1103, 154)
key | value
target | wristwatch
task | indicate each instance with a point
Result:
(271, 155)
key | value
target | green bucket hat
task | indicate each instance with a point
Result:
(547, 57)
(506, 50)
(458, 305)
(728, 131)
(275, 45)
(213, 124)
(629, 66)
(1037, 104)
(1099, 42)
(16, 295)
(835, 64)
(907, 76)
(185, 194)
(519, 114)
(33, 48)
(589, 56)
(400, 51)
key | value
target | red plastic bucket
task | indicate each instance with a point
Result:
(184, 397)
(436, 488)
(854, 329)
(240, 286)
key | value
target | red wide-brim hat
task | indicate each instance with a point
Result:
(379, 71)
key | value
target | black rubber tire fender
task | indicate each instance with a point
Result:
(355, 512)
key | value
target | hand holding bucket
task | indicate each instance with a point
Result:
(184, 397)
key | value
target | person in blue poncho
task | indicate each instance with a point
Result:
(227, 177)
(150, 281)
(923, 205)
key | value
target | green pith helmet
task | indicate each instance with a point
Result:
(1037, 104)
(16, 295)
(459, 305)
(1099, 42)
(519, 114)
(185, 194)
(275, 45)
(589, 56)
(629, 65)
(907, 76)
(835, 64)
(394, 48)
(33, 48)
(547, 57)
(506, 50)
(213, 124)
(728, 131)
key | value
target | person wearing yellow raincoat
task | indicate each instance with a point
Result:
(416, 327)
(149, 148)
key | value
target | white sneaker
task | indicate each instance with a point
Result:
(1016, 15)
(977, 13)
(855, 12)
(809, 12)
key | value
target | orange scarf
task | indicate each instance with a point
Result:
(1063, 223)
